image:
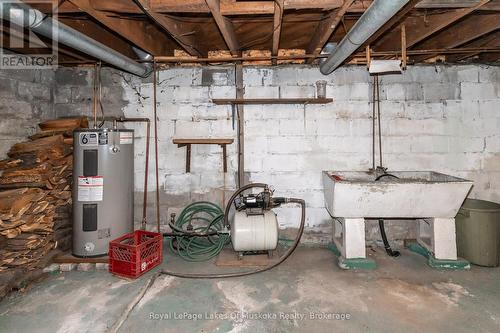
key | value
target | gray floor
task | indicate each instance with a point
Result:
(401, 295)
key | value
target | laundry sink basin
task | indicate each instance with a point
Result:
(414, 194)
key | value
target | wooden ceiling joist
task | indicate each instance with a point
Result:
(225, 26)
(326, 28)
(489, 57)
(229, 7)
(418, 32)
(277, 24)
(393, 22)
(469, 29)
(95, 31)
(491, 40)
(172, 27)
(135, 31)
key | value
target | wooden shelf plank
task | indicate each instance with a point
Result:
(202, 141)
(272, 101)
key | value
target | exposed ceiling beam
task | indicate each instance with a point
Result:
(469, 29)
(491, 40)
(277, 24)
(391, 23)
(172, 27)
(94, 31)
(225, 26)
(417, 32)
(326, 28)
(489, 57)
(135, 31)
(229, 7)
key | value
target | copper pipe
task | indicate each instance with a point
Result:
(95, 95)
(379, 122)
(373, 124)
(155, 77)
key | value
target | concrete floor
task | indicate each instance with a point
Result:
(403, 294)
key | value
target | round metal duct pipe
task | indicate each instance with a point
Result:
(373, 19)
(46, 26)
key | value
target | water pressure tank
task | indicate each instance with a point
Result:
(103, 188)
(254, 232)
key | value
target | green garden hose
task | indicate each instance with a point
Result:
(197, 232)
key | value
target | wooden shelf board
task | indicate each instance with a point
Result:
(202, 141)
(272, 101)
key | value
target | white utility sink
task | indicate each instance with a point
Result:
(432, 198)
(416, 194)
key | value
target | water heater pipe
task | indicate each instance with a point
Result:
(26, 16)
(379, 12)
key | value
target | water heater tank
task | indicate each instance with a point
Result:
(103, 188)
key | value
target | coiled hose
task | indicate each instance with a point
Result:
(225, 218)
(197, 232)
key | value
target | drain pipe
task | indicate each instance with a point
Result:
(379, 12)
(25, 16)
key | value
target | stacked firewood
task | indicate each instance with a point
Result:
(35, 195)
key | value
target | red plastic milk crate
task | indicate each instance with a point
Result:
(133, 254)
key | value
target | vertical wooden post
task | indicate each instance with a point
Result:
(224, 158)
(403, 47)
(188, 158)
(368, 56)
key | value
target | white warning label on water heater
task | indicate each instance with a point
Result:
(90, 188)
(126, 138)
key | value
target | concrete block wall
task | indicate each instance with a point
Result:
(442, 118)
(26, 98)
(73, 91)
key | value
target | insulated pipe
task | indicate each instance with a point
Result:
(379, 12)
(25, 16)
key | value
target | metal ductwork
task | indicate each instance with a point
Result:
(25, 16)
(373, 19)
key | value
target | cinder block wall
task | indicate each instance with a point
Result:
(25, 100)
(442, 118)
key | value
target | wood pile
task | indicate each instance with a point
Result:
(35, 195)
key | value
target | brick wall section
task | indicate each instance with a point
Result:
(441, 118)
(25, 100)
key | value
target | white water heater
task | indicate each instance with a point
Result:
(103, 188)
